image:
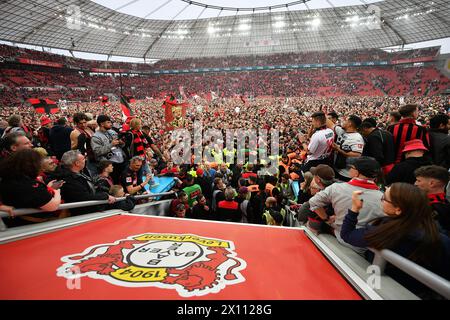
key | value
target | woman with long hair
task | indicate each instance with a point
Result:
(407, 229)
(21, 188)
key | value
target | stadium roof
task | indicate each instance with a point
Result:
(87, 26)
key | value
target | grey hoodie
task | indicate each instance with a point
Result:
(339, 195)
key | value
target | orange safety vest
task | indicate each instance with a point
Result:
(294, 176)
(253, 188)
(285, 166)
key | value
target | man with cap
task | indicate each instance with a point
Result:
(363, 172)
(323, 176)
(106, 146)
(413, 152)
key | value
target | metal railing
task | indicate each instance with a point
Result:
(425, 276)
(428, 278)
(72, 205)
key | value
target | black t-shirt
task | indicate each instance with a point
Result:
(24, 192)
(129, 178)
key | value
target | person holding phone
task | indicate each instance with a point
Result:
(21, 188)
(407, 228)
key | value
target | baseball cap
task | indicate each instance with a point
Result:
(323, 171)
(199, 172)
(367, 166)
(102, 118)
(415, 144)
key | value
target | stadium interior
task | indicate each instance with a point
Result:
(339, 110)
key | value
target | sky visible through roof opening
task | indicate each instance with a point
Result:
(180, 10)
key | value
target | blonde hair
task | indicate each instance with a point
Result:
(115, 189)
(92, 122)
(134, 123)
(41, 151)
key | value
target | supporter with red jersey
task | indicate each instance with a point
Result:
(407, 129)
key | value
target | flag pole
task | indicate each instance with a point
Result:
(120, 79)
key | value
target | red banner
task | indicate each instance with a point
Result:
(193, 259)
(40, 63)
(174, 112)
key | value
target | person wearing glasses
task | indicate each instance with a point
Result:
(407, 228)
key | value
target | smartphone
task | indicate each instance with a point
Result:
(58, 184)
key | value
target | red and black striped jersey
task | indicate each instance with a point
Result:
(406, 130)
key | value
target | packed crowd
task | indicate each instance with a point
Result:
(371, 171)
(18, 85)
(332, 56)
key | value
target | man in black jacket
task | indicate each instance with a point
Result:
(78, 185)
(440, 140)
(59, 138)
(379, 143)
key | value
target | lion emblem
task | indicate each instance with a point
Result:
(190, 264)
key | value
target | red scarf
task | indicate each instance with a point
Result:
(139, 143)
(436, 197)
(363, 183)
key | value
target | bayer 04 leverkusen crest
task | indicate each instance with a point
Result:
(190, 264)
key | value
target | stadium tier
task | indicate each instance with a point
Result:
(24, 74)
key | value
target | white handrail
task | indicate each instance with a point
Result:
(21, 212)
(428, 278)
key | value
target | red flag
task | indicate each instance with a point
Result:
(104, 101)
(125, 106)
(44, 105)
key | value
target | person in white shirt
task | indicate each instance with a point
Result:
(320, 147)
(349, 145)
